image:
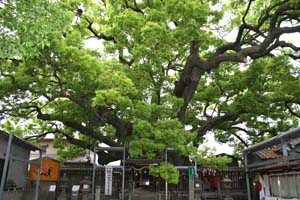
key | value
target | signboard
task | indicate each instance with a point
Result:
(108, 180)
(49, 170)
(52, 188)
(75, 188)
(191, 172)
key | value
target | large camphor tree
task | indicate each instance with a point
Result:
(149, 74)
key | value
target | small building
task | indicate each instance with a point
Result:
(276, 163)
(14, 160)
(47, 144)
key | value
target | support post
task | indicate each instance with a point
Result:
(5, 168)
(191, 174)
(196, 170)
(94, 174)
(37, 183)
(247, 175)
(166, 183)
(123, 174)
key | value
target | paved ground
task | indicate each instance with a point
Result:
(140, 193)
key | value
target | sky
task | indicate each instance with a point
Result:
(219, 147)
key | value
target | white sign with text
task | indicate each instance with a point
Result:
(108, 180)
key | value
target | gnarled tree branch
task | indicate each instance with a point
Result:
(195, 67)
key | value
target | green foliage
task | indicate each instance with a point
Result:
(30, 32)
(9, 127)
(258, 93)
(67, 151)
(208, 159)
(166, 171)
(149, 140)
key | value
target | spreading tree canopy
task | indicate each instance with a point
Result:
(149, 74)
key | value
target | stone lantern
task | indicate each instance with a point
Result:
(64, 184)
(226, 186)
(85, 188)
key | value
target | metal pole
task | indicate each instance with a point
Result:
(248, 185)
(94, 174)
(166, 183)
(5, 168)
(123, 175)
(196, 170)
(37, 185)
(100, 185)
(247, 176)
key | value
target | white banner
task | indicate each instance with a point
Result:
(108, 180)
(261, 188)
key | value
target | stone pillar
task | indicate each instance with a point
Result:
(75, 192)
(52, 192)
(64, 184)
(98, 192)
(226, 186)
(85, 188)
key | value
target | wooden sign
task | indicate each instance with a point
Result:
(49, 171)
